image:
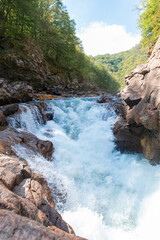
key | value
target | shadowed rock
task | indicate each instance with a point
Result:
(142, 109)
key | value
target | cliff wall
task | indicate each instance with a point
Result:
(138, 128)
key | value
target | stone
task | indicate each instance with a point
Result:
(31, 190)
(46, 192)
(46, 112)
(43, 219)
(3, 121)
(10, 137)
(45, 148)
(113, 100)
(14, 92)
(141, 109)
(13, 226)
(126, 140)
(7, 177)
(19, 205)
(55, 218)
(42, 96)
(14, 171)
(10, 109)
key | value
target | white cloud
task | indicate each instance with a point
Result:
(101, 38)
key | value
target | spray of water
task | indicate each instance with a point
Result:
(103, 194)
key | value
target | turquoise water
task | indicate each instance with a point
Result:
(103, 194)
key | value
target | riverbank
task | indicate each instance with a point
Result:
(138, 129)
(99, 191)
(26, 202)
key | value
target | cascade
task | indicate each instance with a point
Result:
(101, 193)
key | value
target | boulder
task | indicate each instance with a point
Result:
(13, 226)
(14, 92)
(3, 121)
(10, 109)
(19, 205)
(46, 192)
(113, 100)
(141, 108)
(45, 148)
(127, 139)
(7, 177)
(46, 112)
(31, 190)
(10, 137)
(55, 218)
(13, 171)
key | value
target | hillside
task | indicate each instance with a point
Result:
(121, 64)
(38, 44)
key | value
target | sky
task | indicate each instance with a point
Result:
(105, 26)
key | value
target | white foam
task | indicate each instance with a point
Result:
(110, 196)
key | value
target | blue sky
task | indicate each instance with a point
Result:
(105, 26)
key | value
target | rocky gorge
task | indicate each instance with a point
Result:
(27, 208)
(137, 129)
(26, 77)
(27, 205)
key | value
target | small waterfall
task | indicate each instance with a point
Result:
(28, 118)
(103, 194)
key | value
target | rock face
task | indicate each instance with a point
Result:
(113, 100)
(139, 126)
(10, 136)
(27, 209)
(14, 92)
(25, 195)
(13, 226)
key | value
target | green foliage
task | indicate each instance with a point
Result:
(121, 64)
(48, 23)
(149, 22)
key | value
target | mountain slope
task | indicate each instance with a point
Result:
(121, 64)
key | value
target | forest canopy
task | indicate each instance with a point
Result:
(49, 24)
(149, 22)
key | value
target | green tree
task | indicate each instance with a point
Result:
(149, 21)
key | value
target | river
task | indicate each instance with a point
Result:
(101, 193)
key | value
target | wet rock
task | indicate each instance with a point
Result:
(46, 192)
(3, 121)
(42, 96)
(10, 109)
(49, 116)
(45, 148)
(46, 112)
(114, 102)
(105, 98)
(141, 108)
(13, 226)
(151, 146)
(55, 218)
(127, 138)
(10, 137)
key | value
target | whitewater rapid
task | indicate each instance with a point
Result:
(101, 193)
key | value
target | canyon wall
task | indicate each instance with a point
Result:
(138, 128)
